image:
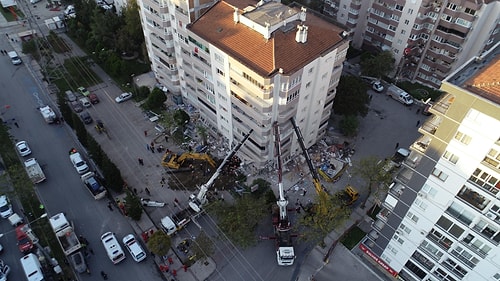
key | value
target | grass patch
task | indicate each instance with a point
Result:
(9, 16)
(352, 238)
(419, 91)
(76, 73)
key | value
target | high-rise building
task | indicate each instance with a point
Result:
(429, 38)
(244, 65)
(441, 217)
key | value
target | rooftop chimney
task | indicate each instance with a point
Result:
(236, 16)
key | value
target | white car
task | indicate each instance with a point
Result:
(5, 207)
(377, 86)
(113, 249)
(134, 248)
(77, 161)
(123, 97)
(4, 271)
(23, 148)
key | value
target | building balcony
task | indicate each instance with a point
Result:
(396, 189)
(382, 215)
(421, 144)
(404, 176)
(442, 242)
(413, 159)
(430, 126)
(463, 259)
(473, 198)
(442, 105)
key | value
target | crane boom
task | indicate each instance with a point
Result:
(200, 199)
(323, 196)
(282, 202)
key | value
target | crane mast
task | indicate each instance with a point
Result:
(285, 252)
(197, 200)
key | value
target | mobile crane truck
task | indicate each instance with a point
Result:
(183, 217)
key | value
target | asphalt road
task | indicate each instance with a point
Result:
(63, 191)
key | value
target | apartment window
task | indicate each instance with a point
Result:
(439, 174)
(311, 70)
(496, 276)
(431, 249)
(218, 58)
(460, 213)
(443, 275)
(420, 203)
(492, 159)
(393, 250)
(463, 22)
(455, 268)
(220, 72)
(474, 198)
(292, 96)
(396, 51)
(429, 190)
(495, 209)
(463, 138)
(485, 180)
(407, 22)
(450, 157)
(446, 17)
(488, 230)
(423, 260)
(470, 11)
(398, 239)
(412, 216)
(398, 7)
(394, 17)
(465, 256)
(392, 27)
(405, 228)
(386, 258)
(440, 239)
(452, 6)
(410, 11)
(308, 84)
(477, 244)
(450, 227)
(415, 269)
(413, 37)
(399, 42)
(403, 31)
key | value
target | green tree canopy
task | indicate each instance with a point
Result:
(351, 98)
(369, 169)
(377, 65)
(155, 100)
(181, 117)
(133, 206)
(203, 246)
(159, 243)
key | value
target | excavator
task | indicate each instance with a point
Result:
(350, 195)
(285, 253)
(174, 161)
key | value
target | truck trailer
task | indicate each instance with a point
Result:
(93, 185)
(34, 170)
(65, 234)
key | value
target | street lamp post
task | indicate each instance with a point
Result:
(133, 83)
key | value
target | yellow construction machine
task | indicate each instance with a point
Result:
(175, 161)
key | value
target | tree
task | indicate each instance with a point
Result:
(202, 131)
(133, 206)
(379, 65)
(316, 224)
(239, 220)
(203, 246)
(130, 36)
(181, 118)
(369, 169)
(351, 98)
(159, 243)
(155, 100)
(349, 125)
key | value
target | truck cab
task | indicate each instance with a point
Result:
(168, 225)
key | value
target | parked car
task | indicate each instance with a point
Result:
(70, 96)
(23, 241)
(77, 161)
(83, 91)
(5, 207)
(93, 98)
(425, 111)
(4, 271)
(378, 87)
(23, 148)
(85, 102)
(123, 97)
(134, 248)
(113, 249)
(77, 107)
(85, 116)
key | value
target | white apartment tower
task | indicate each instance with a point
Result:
(245, 65)
(441, 217)
(429, 38)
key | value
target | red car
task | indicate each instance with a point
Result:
(23, 241)
(93, 98)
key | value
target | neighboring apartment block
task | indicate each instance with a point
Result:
(244, 65)
(429, 39)
(441, 217)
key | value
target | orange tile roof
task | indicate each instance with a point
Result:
(253, 50)
(486, 82)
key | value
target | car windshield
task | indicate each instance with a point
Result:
(4, 208)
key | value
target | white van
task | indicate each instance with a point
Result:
(32, 268)
(113, 249)
(14, 58)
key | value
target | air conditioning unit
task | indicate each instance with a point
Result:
(491, 216)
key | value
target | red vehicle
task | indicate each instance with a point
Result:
(23, 241)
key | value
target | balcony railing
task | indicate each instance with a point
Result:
(431, 125)
(443, 104)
